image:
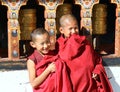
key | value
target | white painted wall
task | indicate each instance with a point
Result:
(17, 81)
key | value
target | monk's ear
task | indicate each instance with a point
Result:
(32, 44)
(61, 30)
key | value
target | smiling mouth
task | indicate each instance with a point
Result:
(45, 50)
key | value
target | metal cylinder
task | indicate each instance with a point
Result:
(99, 19)
(62, 10)
(27, 20)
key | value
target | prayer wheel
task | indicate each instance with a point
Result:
(99, 19)
(62, 10)
(27, 20)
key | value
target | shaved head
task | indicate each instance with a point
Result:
(68, 25)
(67, 18)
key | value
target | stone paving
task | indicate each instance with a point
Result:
(18, 81)
(14, 81)
(14, 75)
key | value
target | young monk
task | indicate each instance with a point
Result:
(47, 72)
(85, 67)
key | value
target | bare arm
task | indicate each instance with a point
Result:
(35, 81)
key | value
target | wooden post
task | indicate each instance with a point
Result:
(117, 28)
(86, 15)
(117, 32)
(13, 27)
(50, 15)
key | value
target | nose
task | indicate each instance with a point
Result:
(73, 31)
(45, 45)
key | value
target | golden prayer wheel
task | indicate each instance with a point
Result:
(27, 20)
(62, 10)
(25, 33)
(99, 19)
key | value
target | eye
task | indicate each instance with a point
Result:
(41, 44)
(70, 28)
(76, 27)
(48, 42)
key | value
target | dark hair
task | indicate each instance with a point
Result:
(38, 31)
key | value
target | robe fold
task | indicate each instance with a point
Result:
(82, 61)
(55, 82)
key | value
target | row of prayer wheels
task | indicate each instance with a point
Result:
(27, 19)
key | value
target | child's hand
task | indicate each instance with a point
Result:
(95, 76)
(51, 67)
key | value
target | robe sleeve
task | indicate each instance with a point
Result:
(98, 62)
(103, 84)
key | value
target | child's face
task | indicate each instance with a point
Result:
(69, 28)
(42, 43)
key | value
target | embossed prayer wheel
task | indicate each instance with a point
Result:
(27, 20)
(62, 10)
(99, 19)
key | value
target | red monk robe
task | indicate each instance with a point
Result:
(82, 61)
(55, 82)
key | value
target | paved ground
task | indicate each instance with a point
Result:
(18, 81)
(14, 75)
(14, 81)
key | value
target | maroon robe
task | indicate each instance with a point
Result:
(55, 82)
(82, 61)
